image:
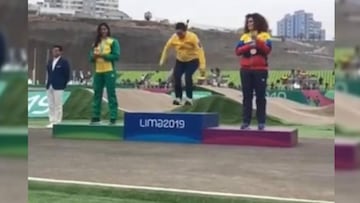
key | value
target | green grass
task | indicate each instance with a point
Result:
(79, 106)
(60, 193)
(327, 132)
(343, 132)
(229, 110)
(339, 53)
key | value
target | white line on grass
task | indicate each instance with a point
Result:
(159, 189)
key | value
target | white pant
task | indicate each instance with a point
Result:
(55, 105)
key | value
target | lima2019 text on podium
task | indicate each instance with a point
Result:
(194, 128)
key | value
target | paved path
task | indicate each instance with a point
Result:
(13, 180)
(347, 187)
(303, 172)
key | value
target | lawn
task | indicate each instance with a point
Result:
(61, 193)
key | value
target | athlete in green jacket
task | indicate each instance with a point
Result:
(105, 52)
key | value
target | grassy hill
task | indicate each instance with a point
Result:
(79, 106)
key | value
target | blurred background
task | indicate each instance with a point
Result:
(13, 113)
(347, 96)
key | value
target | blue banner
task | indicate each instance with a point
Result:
(168, 127)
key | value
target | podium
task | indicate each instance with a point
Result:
(168, 127)
(87, 131)
(270, 137)
(14, 141)
(347, 154)
(173, 127)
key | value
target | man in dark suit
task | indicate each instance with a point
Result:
(2, 50)
(58, 76)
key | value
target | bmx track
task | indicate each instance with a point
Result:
(132, 100)
(347, 109)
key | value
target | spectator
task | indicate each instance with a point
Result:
(326, 86)
(272, 86)
(317, 101)
(321, 80)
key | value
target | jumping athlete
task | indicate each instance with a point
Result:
(105, 52)
(189, 57)
(253, 48)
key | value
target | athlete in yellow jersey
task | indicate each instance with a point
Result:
(189, 57)
(104, 54)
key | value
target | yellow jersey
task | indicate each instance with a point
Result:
(109, 48)
(187, 49)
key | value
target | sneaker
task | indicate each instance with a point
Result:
(112, 122)
(188, 102)
(261, 126)
(177, 102)
(95, 121)
(245, 126)
(50, 125)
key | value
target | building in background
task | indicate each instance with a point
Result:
(102, 9)
(300, 26)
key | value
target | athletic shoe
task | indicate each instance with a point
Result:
(50, 125)
(188, 102)
(95, 121)
(112, 122)
(177, 102)
(245, 126)
(261, 126)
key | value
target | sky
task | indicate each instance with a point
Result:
(230, 13)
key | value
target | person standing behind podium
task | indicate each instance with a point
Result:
(58, 76)
(189, 57)
(253, 48)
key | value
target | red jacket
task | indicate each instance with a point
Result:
(257, 61)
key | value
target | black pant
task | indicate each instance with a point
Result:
(254, 80)
(189, 69)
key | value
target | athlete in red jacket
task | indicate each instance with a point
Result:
(253, 50)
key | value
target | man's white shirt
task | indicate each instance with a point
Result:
(55, 60)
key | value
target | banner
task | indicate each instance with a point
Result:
(38, 105)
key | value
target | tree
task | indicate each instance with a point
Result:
(148, 16)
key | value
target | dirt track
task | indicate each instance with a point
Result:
(302, 172)
(145, 101)
(347, 186)
(286, 110)
(13, 181)
(347, 109)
